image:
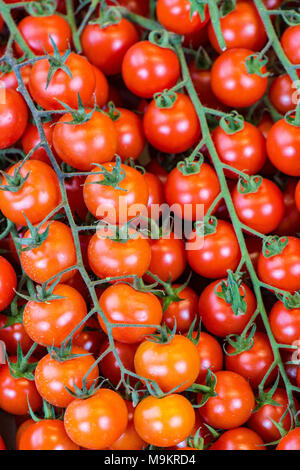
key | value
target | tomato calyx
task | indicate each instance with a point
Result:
(164, 335)
(111, 178)
(40, 294)
(207, 391)
(232, 123)
(293, 117)
(191, 165)
(230, 292)
(64, 352)
(199, 6)
(249, 184)
(48, 413)
(15, 181)
(169, 294)
(274, 245)
(57, 62)
(240, 343)
(265, 398)
(114, 114)
(207, 226)
(254, 64)
(108, 16)
(196, 441)
(165, 99)
(15, 314)
(202, 60)
(41, 8)
(289, 301)
(80, 115)
(36, 238)
(22, 368)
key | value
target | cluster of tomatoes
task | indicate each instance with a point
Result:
(110, 343)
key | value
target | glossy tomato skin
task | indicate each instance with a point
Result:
(48, 434)
(101, 91)
(175, 15)
(183, 312)
(54, 255)
(117, 206)
(291, 220)
(170, 365)
(261, 420)
(281, 94)
(31, 139)
(140, 7)
(109, 258)
(148, 69)
(291, 441)
(244, 150)
(262, 210)
(201, 79)
(105, 47)
(8, 283)
(98, 421)
(283, 147)
(218, 316)
(52, 377)
(13, 117)
(297, 196)
(185, 192)
(282, 270)
(239, 439)
(121, 303)
(14, 393)
(285, 323)
(156, 194)
(172, 130)
(10, 80)
(129, 440)
(232, 84)
(290, 42)
(232, 406)
(12, 335)
(254, 363)
(217, 253)
(164, 422)
(82, 145)
(74, 190)
(109, 365)
(241, 28)
(37, 30)
(37, 197)
(210, 353)
(130, 135)
(50, 323)
(62, 87)
(90, 338)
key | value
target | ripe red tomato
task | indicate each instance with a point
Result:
(50, 323)
(8, 283)
(254, 363)
(140, 7)
(13, 117)
(212, 256)
(175, 15)
(52, 376)
(232, 84)
(290, 42)
(62, 87)
(282, 270)
(54, 255)
(48, 434)
(12, 335)
(121, 303)
(36, 198)
(98, 421)
(281, 93)
(164, 422)
(74, 190)
(183, 311)
(244, 150)
(283, 147)
(101, 92)
(148, 69)
(106, 47)
(170, 365)
(37, 31)
(172, 130)
(130, 135)
(31, 138)
(210, 353)
(184, 193)
(232, 406)
(297, 196)
(202, 82)
(291, 220)
(156, 194)
(218, 316)
(110, 367)
(129, 440)
(81, 145)
(9, 79)
(242, 27)
(285, 323)
(262, 210)
(90, 338)
(16, 393)
(291, 441)
(239, 439)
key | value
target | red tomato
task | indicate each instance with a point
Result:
(90, 338)
(148, 69)
(13, 117)
(36, 198)
(297, 196)
(183, 312)
(129, 440)
(175, 15)
(232, 84)
(130, 135)
(285, 323)
(110, 367)
(290, 42)
(172, 130)
(218, 316)
(291, 220)
(283, 147)
(121, 303)
(106, 47)
(164, 422)
(9, 79)
(98, 421)
(186, 193)
(281, 94)
(74, 190)
(52, 376)
(31, 138)
(62, 87)
(48, 434)
(232, 406)
(239, 439)
(156, 194)
(291, 441)
(12, 335)
(244, 150)
(2, 444)
(210, 353)
(140, 7)
(212, 256)
(155, 166)
(101, 92)
(8, 283)
(202, 82)
(54, 255)
(282, 270)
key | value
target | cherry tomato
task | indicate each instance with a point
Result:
(74, 190)
(290, 42)
(297, 196)
(239, 439)
(285, 323)
(291, 441)
(48, 434)
(210, 353)
(148, 69)
(172, 130)
(106, 47)
(202, 82)
(110, 367)
(31, 138)
(98, 421)
(164, 422)
(12, 335)
(283, 147)
(129, 440)
(232, 84)
(281, 94)
(9, 78)
(156, 194)
(90, 338)
(232, 406)
(140, 7)
(8, 283)
(130, 135)
(121, 303)
(52, 376)
(291, 220)
(175, 15)
(13, 117)
(54, 255)
(101, 92)
(183, 311)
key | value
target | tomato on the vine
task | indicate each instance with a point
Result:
(8, 283)
(210, 353)
(130, 135)
(183, 311)
(47, 434)
(175, 15)
(13, 117)
(239, 439)
(109, 365)
(285, 323)
(129, 440)
(281, 93)
(31, 138)
(290, 42)
(291, 441)
(283, 147)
